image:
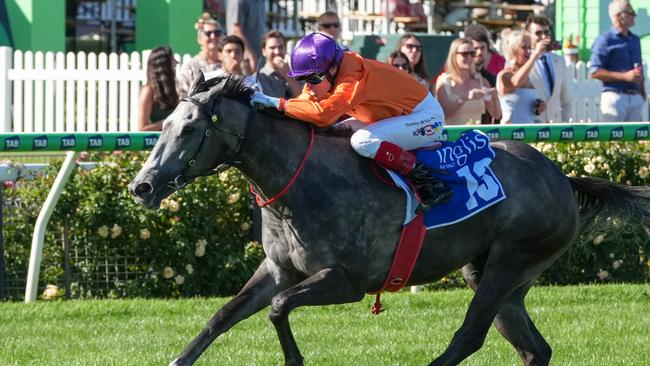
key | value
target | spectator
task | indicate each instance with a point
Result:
(410, 45)
(463, 93)
(208, 36)
(519, 99)
(399, 60)
(231, 52)
(616, 60)
(158, 97)
(246, 19)
(549, 74)
(488, 61)
(273, 79)
(330, 24)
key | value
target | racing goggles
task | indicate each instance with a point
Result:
(313, 79)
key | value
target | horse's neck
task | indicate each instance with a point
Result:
(272, 151)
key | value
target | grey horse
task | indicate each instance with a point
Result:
(330, 239)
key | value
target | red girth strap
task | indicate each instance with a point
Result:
(406, 254)
(284, 190)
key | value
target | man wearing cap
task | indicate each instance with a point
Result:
(399, 114)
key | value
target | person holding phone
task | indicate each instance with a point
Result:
(549, 74)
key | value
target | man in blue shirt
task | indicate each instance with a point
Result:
(616, 61)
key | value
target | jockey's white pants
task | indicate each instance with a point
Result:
(419, 129)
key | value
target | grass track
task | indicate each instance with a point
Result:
(585, 325)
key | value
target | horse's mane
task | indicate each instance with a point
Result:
(234, 87)
(230, 86)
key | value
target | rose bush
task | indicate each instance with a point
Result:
(199, 241)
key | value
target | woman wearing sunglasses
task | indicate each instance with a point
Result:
(399, 114)
(208, 36)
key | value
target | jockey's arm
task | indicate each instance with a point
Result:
(327, 111)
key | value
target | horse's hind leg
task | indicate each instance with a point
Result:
(256, 295)
(513, 322)
(515, 325)
(326, 287)
(498, 280)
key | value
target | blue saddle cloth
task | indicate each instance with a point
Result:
(475, 186)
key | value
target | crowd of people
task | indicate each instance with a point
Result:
(477, 85)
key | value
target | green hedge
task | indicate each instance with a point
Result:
(198, 243)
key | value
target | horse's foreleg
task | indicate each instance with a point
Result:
(326, 287)
(255, 296)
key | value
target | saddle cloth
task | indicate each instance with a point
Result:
(475, 186)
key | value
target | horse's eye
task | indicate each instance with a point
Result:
(187, 129)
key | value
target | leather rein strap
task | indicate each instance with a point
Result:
(284, 190)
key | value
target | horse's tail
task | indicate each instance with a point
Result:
(599, 199)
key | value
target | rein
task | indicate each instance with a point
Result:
(258, 198)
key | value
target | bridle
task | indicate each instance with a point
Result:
(182, 179)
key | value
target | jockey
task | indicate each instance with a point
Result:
(397, 112)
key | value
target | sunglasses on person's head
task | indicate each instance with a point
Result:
(312, 79)
(330, 25)
(467, 53)
(404, 66)
(412, 46)
(216, 33)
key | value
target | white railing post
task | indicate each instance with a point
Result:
(36, 254)
(6, 58)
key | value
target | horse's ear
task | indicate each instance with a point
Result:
(197, 85)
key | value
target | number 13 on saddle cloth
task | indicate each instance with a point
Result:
(475, 186)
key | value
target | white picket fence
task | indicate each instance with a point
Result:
(57, 92)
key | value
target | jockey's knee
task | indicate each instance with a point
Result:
(364, 143)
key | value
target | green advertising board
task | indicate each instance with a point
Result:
(136, 141)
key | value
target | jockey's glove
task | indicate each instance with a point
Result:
(265, 100)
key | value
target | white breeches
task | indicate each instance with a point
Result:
(419, 129)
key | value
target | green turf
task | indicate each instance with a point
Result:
(586, 325)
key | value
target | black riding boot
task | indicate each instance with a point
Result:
(431, 190)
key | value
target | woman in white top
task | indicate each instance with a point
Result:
(463, 93)
(519, 100)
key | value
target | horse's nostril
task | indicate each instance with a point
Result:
(142, 189)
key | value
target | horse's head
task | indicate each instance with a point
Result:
(204, 132)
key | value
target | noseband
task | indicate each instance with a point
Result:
(182, 180)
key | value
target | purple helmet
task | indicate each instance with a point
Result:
(314, 53)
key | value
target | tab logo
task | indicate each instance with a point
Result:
(444, 136)
(12, 143)
(123, 141)
(641, 133)
(494, 134)
(519, 134)
(566, 134)
(150, 141)
(68, 142)
(617, 133)
(592, 133)
(544, 134)
(95, 142)
(39, 142)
